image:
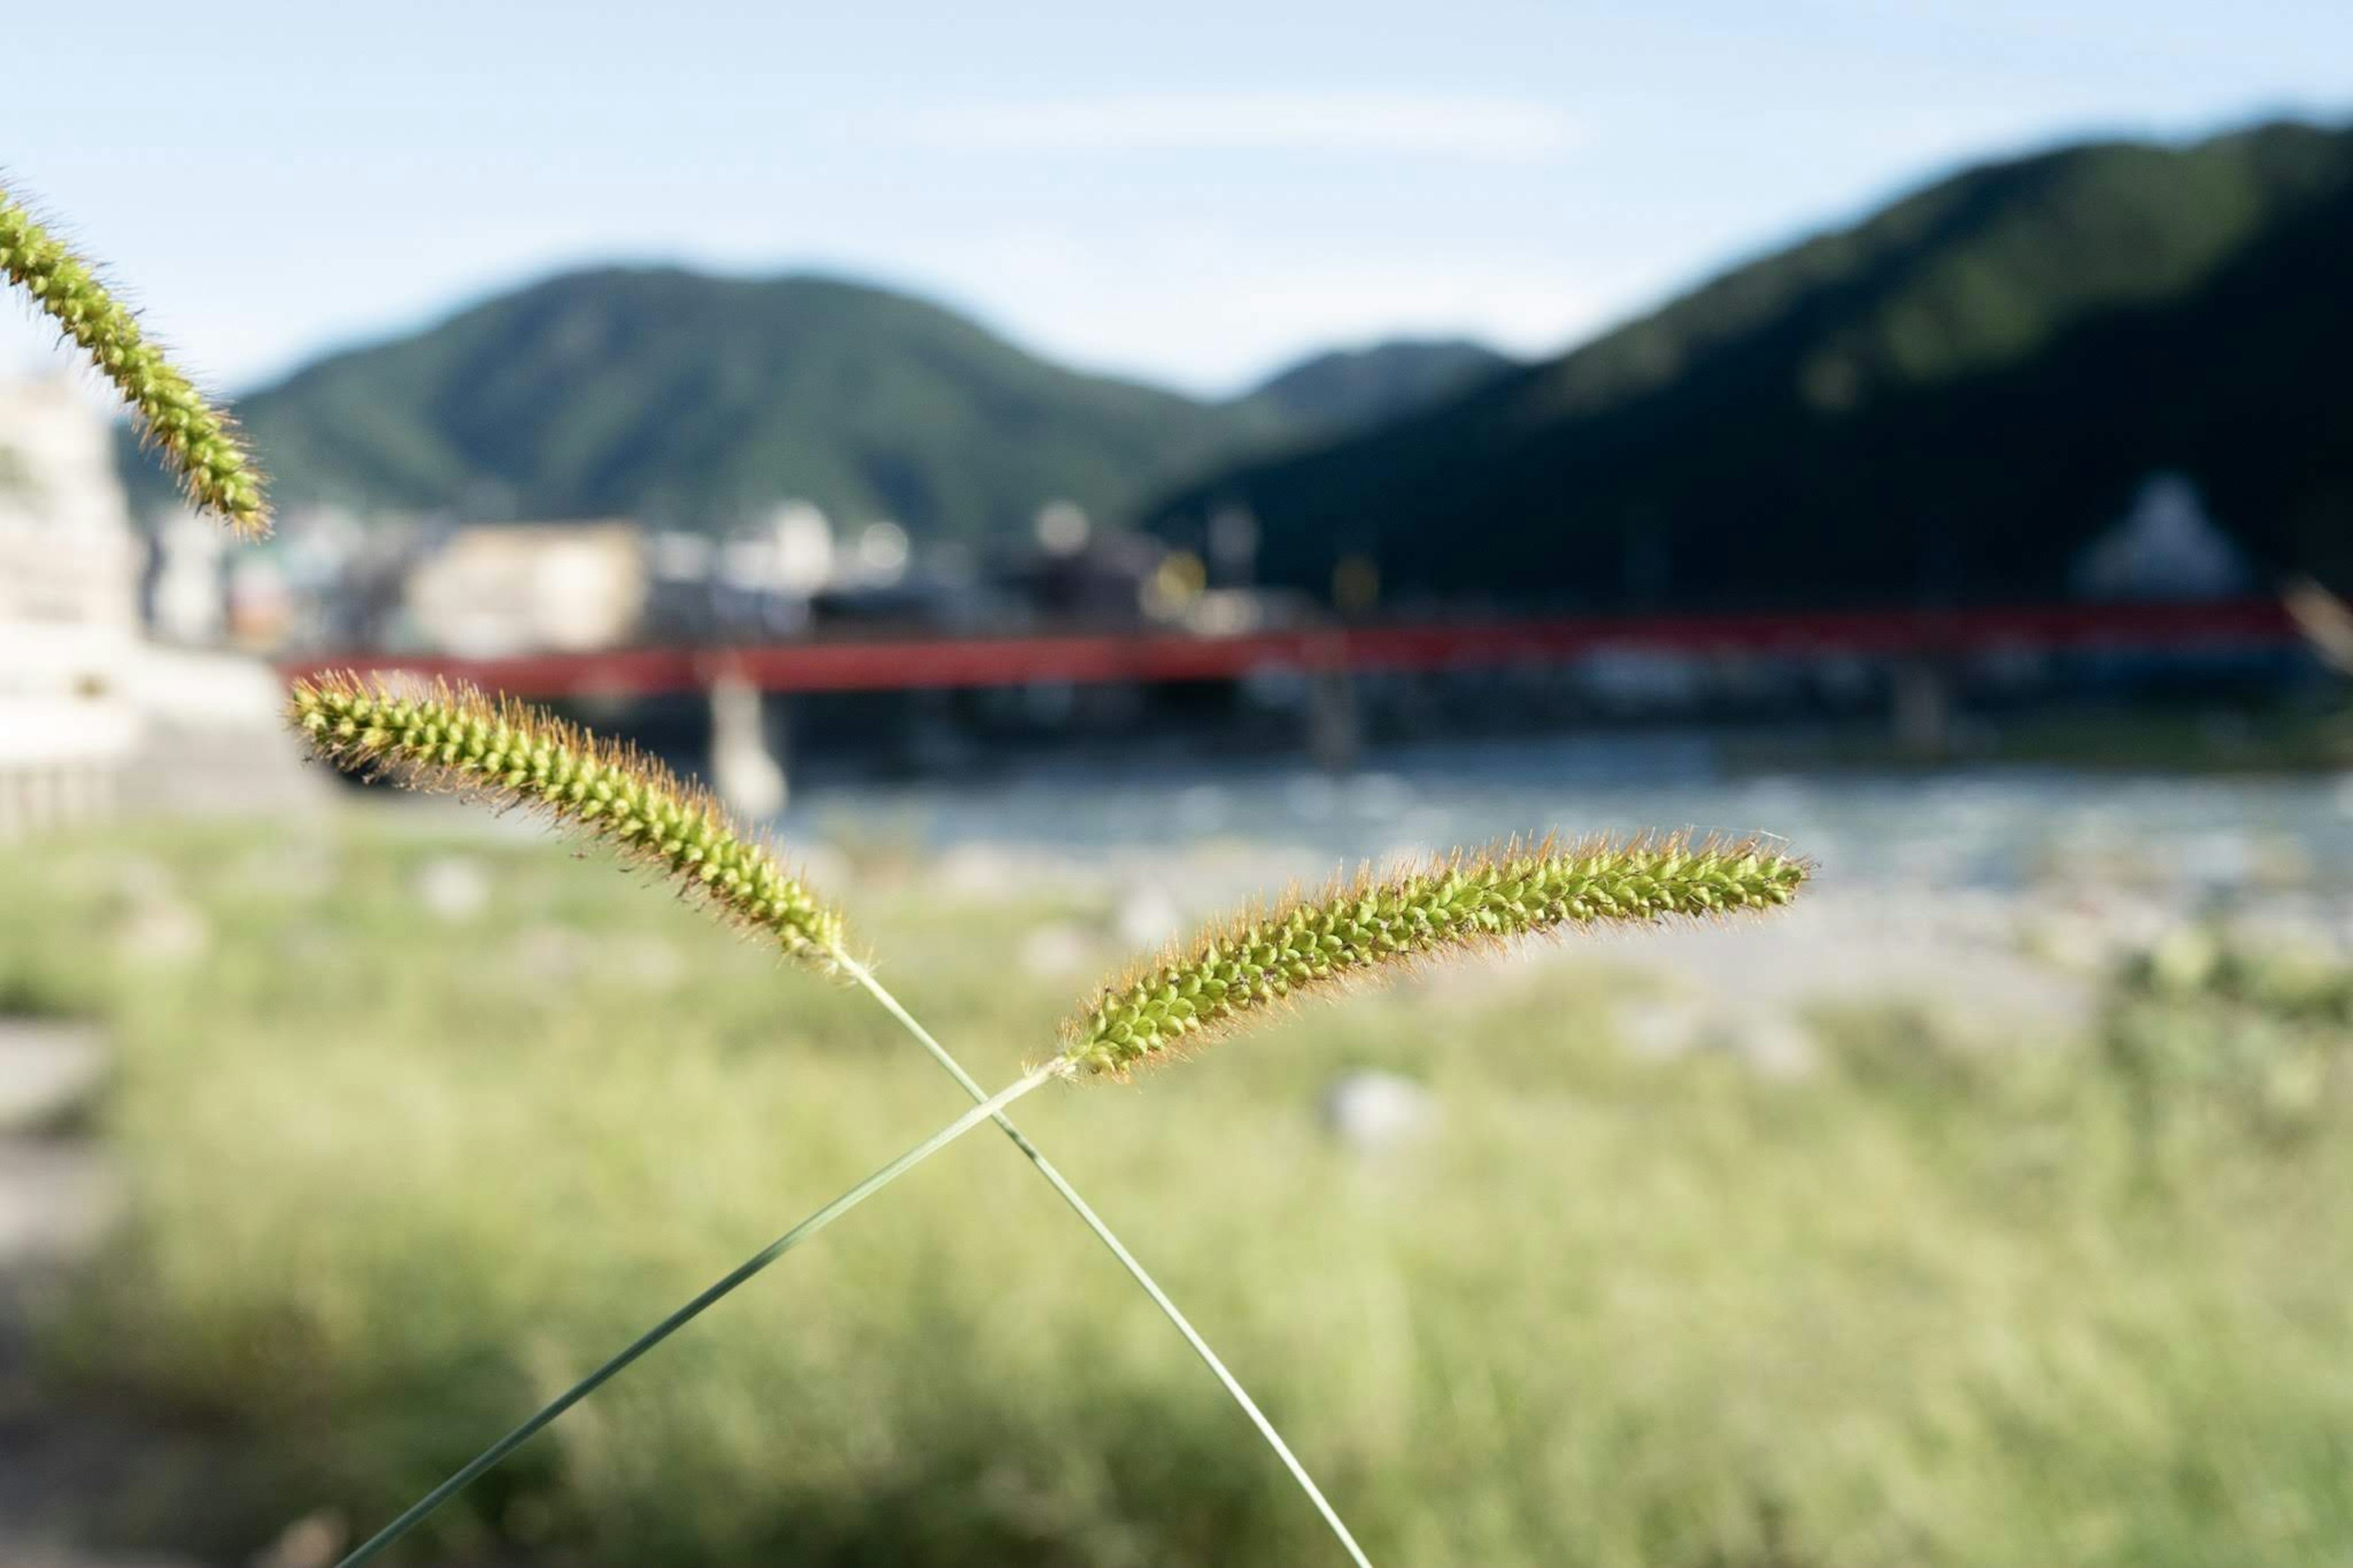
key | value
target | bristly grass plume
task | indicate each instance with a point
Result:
(1358, 928)
(201, 441)
(504, 753)
(451, 737)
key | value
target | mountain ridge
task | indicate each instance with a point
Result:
(690, 397)
(694, 399)
(1944, 399)
(1367, 386)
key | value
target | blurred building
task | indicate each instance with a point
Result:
(324, 580)
(344, 580)
(187, 580)
(494, 589)
(768, 570)
(70, 572)
(682, 590)
(92, 715)
(1079, 573)
(755, 582)
(69, 565)
(2164, 548)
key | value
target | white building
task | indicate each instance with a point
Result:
(91, 715)
(790, 552)
(496, 589)
(187, 598)
(69, 608)
(2164, 548)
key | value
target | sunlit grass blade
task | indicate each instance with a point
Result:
(474, 1468)
(1127, 1260)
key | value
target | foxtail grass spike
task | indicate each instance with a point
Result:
(1360, 929)
(201, 441)
(451, 737)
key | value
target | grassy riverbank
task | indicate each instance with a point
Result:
(396, 1176)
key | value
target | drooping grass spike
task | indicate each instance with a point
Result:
(201, 441)
(506, 754)
(451, 737)
(1359, 928)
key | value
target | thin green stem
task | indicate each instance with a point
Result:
(1151, 1288)
(989, 1106)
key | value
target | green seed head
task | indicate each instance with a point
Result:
(452, 737)
(200, 440)
(1361, 929)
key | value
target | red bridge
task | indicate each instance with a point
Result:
(881, 664)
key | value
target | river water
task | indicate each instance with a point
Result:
(1988, 828)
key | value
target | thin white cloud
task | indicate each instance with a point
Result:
(1198, 308)
(1302, 121)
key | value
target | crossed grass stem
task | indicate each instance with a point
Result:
(985, 1108)
(474, 1468)
(1136, 1271)
(453, 738)
(1354, 931)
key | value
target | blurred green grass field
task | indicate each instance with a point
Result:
(395, 1179)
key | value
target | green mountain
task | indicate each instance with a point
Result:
(1947, 400)
(690, 398)
(1360, 388)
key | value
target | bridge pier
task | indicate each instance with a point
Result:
(1335, 730)
(1923, 707)
(748, 750)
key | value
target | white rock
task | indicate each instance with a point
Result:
(56, 1198)
(821, 864)
(165, 930)
(453, 889)
(1655, 1028)
(1371, 1112)
(650, 964)
(551, 954)
(47, 1070)
(1056, 950)
(2071, 940)
(2135, 923)
(1147, 917)
(2221, 858)
(302, 872)
(978, 871)
(2284, 928)
(139, 879)
(313, 1541)
(1770, 1045)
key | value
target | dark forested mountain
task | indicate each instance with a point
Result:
(1947, 400)
(691, 398)
(1360, 388)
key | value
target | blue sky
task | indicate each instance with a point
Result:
(1192, 193)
